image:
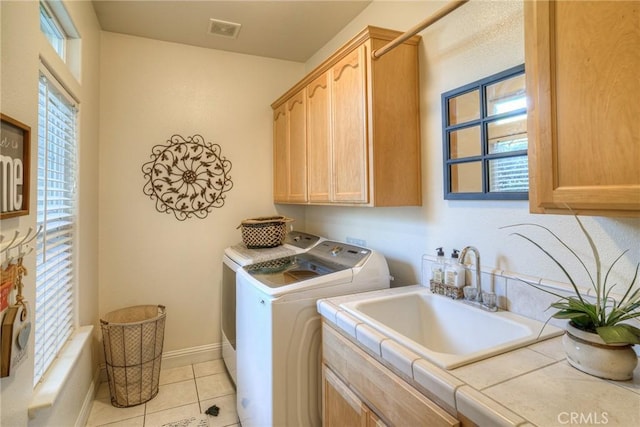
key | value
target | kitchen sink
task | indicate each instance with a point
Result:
(447, 332)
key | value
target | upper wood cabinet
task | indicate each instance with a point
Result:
(319, 139)
(297, 126)
(349, 132)
(362, 127)
(582, 62)
(280, 155)
(290, 153)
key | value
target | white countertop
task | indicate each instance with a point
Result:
(533, 385)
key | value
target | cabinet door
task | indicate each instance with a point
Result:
(280, 155)
(374, 421)
(349, 133)
(340, 406)
(319, 139)
(582, 62)
(296, 123)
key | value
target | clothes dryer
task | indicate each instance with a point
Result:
(296, 242)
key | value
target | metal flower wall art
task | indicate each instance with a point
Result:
(187, 177)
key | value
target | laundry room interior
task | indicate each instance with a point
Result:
(138, 90)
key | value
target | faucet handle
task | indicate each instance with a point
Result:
(489, 300)
(470, 293)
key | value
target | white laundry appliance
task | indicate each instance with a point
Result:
(278, 328)
(234, 258)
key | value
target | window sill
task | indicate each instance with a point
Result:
(46, 393)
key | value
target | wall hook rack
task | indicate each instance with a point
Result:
(18, 243)
(7, 246)
(16, 320)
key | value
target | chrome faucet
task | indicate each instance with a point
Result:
(475, 251)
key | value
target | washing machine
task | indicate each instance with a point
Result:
(235, 257)
(278, 328)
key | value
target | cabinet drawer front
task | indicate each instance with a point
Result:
(392, 398)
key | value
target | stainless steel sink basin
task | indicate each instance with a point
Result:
(446, 332)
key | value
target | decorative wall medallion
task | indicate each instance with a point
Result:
(187, 177)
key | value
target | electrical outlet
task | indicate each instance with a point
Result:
(357, 242)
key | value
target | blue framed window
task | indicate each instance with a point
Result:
(485, 139)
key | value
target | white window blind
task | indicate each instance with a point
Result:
(56, 213)
(510, 173)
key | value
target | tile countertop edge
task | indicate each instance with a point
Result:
(455, 394)
(480, 407)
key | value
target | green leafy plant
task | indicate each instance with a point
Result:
(606, 315)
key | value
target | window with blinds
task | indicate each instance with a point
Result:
(56, 213)
(485, 138)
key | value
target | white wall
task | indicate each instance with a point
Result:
(22, 43)
(150, 91)
(479, 39)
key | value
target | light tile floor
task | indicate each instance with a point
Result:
(185, 392)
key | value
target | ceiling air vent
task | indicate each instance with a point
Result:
(224, 28)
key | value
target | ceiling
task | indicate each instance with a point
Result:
(284, 29)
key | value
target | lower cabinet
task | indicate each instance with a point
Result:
(341, 407)
(357, 390)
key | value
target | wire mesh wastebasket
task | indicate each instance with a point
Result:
(133, 339)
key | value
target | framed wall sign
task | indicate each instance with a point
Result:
(15, 138)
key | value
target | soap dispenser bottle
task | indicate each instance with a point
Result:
(454, 273)
(437, 269)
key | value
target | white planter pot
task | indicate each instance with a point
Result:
(589, 353)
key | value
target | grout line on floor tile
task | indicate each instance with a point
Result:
(195, 380)
(144, 414)
(193, 369)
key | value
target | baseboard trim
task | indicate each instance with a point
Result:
(182, 357)
(85, 410)
(191, 355)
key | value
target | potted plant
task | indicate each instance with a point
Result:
(598, 339)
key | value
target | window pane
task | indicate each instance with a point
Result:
(509, 174)
(464, 108)
(465, 142)
(52, 30)
(507, 135)
(466, 177)
(506, 95)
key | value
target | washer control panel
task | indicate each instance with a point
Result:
(301, 239)
(341, 253)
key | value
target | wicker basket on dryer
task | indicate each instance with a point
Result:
(264, 232)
